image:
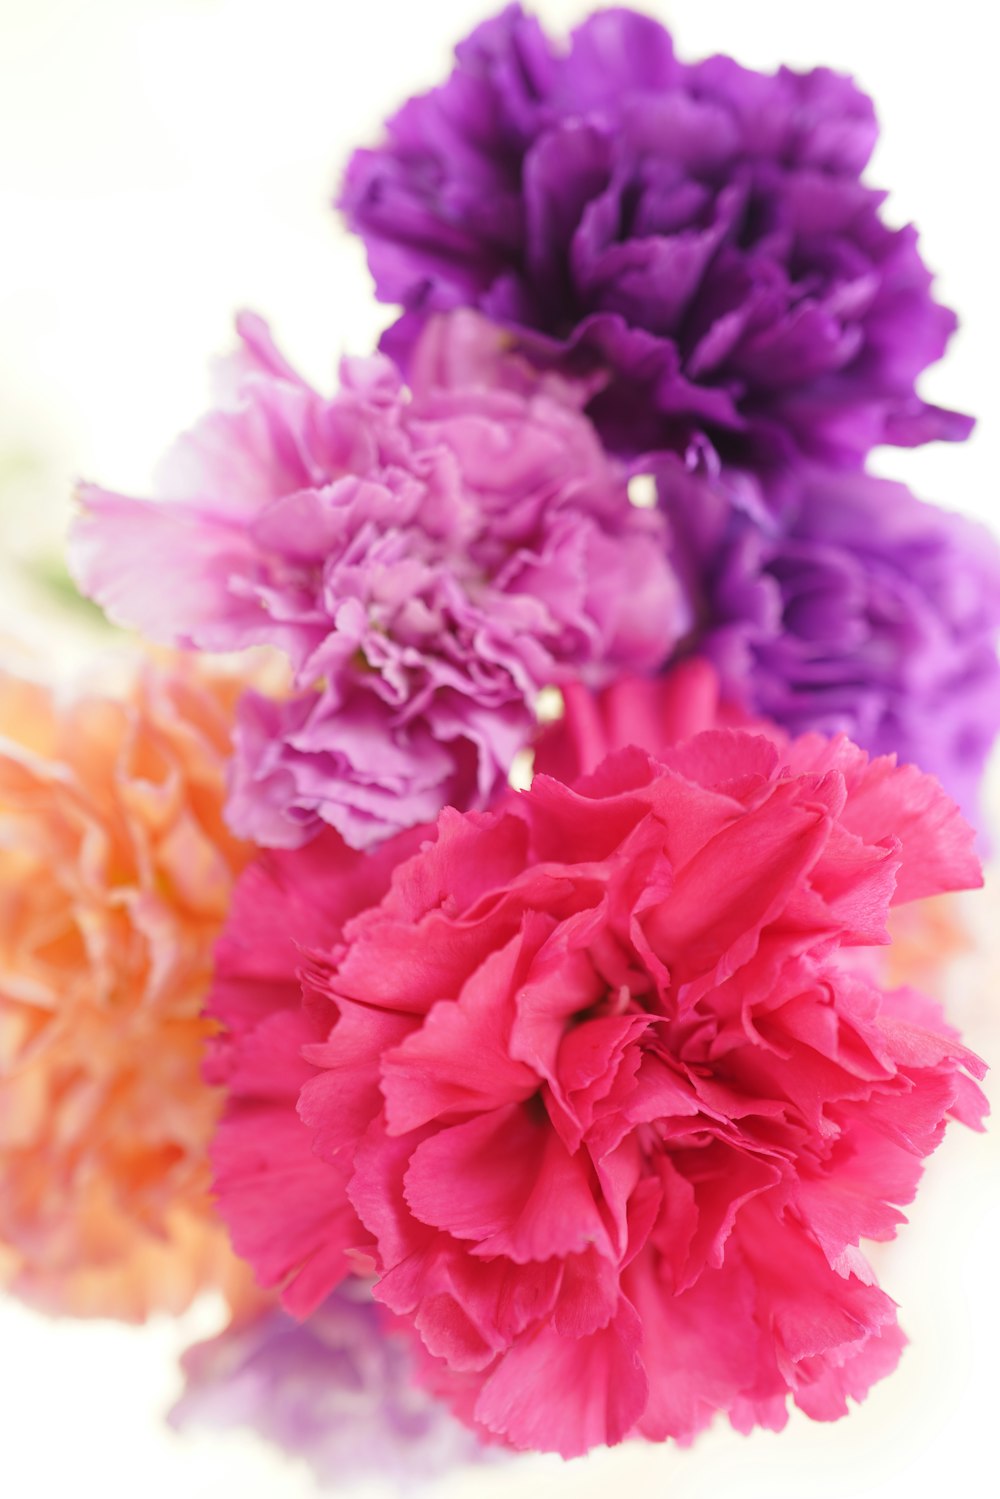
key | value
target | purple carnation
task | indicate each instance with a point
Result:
(844, 603)
(699, 232)
(429, 560)
(337, 1390)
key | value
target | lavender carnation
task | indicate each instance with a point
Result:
(840, 602)
(428, 559)
(700, 232)
(337, 1390)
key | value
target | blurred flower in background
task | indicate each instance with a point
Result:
(115, 874)
(337, 1390)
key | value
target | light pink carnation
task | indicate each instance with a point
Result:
(597, 1086)
(428, 559)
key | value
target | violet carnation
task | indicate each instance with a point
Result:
(845, 604)
(700, 231)
(337, 1390)
(598, 1083)
(429, 560)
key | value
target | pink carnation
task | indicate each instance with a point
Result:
(651, 712)
(428, 560)
(596, 1083)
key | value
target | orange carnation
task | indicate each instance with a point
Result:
(115, 874)
(926, 941)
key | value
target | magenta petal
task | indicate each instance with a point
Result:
(506, 1181)
(459, 1061)
(597, 1381)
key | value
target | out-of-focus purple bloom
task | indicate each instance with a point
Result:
(428, 559)
(843, 603)
(337, 1390)
(699, 231)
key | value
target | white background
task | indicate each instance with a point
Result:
(163, 162)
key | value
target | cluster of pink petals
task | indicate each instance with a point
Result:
(596, 1083)
(429, 559)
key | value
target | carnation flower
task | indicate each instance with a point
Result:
(926, 936)
(115, 875)
(595, 1084)
(336, 1390)
(429, 560)
(841, 603)
(699, 232)
(653, 713)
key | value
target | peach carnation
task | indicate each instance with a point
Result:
(115, 875)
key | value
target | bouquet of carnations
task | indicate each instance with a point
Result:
(462, 941)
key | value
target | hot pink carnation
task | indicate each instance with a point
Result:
(653, 713)
(428, 559)
(596, 1084)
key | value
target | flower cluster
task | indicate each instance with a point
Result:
(429, 559)
(700, 233)
(500, 965)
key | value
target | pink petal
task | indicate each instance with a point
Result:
(566, 1395)
(505, 1180)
